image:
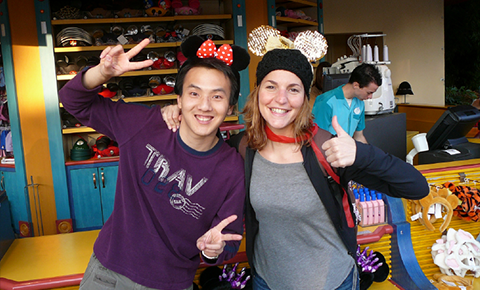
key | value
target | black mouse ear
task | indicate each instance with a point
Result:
(241, 58)
(190, 46)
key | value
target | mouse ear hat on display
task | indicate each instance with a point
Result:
(195, 48)
(280, 53)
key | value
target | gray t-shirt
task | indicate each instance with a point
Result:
(297, 246)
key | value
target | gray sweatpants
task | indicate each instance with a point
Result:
(98, 277)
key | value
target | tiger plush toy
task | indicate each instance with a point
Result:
(469, 209)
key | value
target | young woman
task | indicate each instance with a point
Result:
(298, 235)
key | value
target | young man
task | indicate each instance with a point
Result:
(179, 195)
(346, 102)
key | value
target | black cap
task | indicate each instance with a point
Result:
(291, 60)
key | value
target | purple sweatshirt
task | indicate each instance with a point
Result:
(167, 195)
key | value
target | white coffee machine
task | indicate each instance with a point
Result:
(383, 100)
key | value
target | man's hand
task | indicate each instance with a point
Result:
(114, 61)
(342, 150)
(213, 241)
(172, 116)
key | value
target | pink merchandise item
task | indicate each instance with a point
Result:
(193, 7)
(381, 208)
(363, 210)
(374, 207)
(457, 253)
(369, 209)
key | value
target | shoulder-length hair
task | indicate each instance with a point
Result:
(255, 123)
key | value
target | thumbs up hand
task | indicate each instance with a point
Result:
(341, 150)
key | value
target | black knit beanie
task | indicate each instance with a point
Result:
(291, 60)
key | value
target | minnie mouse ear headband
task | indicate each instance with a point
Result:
(280, 53)
(195, 48)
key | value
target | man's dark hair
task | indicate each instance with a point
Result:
(210, 63)
(364, 74)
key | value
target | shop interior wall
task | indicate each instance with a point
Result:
(32, 115)
(415, 39)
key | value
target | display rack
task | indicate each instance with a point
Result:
(225, 20)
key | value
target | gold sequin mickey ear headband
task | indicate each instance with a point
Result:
(264, 38)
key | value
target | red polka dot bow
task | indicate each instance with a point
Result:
(223, 53)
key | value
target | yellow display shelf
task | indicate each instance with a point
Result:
(84, 129)
(39, 258)
(295, 22)
(422, 239)
(295, 3)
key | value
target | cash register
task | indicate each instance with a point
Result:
(446, 139)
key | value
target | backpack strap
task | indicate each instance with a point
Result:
(319, 138)
(242, 146)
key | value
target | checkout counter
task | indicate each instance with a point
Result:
(388, 132)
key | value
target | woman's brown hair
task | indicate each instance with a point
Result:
(255, 123)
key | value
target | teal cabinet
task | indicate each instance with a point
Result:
(18, 203)
(91, 194)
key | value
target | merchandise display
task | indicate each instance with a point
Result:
(432, 207)
(445, 282)
(227, 278)
(369, 204)
(457, 253)
(105, 147)
(469, 206)
(80, 150)
(373, 267)
(81, 31)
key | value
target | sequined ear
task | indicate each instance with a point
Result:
(264, 38)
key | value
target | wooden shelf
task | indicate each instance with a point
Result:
(84, 129)
(291, 22)
(102, 47)
(130, 74)
(128, 46)
(142, 19)
(295, 4)
(142, 99)
(76, 130)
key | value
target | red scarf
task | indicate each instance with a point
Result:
(284, 139)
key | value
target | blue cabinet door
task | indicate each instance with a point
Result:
(85, 197)
(108, 179)
(19, 206)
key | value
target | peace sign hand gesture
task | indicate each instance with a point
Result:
(213, 241)
(114, 61)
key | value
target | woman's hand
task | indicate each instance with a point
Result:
(172, 116)
(340, 151)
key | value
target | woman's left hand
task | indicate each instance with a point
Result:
(172, 116)
(342, 150)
